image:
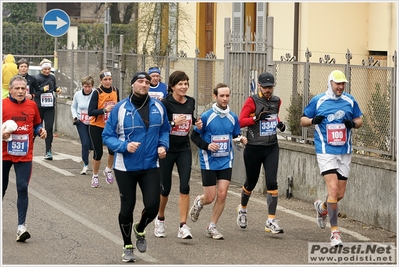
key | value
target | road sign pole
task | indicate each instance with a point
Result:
(55, 53)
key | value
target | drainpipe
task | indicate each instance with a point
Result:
(296, 30)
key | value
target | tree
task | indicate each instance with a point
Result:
(116, 10)
(17, 12)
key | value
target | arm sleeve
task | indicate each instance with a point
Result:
(164, 131)
(110, 136)
(74, 107)
(247, 113)
(93, 110)
(198, 141)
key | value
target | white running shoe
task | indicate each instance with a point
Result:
(94, 181)
(242, 221)
(213, 233)
(335, 239)
(84, 170)
(184, 232)
(159, 230)
(195, 209)
(273, 227)
(321, 215)
(22, 233)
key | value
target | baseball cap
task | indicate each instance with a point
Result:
(140, 75)
(266, 79)
(337, 76)
(154, 70)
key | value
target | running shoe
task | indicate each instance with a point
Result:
(84, 170)
(48, 155)
(94, 181)
(241, 218)
(321, 215)
(335, 239)
(141, 243)
(109, 178)
(272, 227)
(159, 230)
(184, 232)
(195, 209)
(127, 255)
(22, 233)
(214, 233)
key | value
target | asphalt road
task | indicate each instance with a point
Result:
(74, 224)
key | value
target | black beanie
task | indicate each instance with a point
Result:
(140, 75)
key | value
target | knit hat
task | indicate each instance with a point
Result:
(45, 63)
(140, 75)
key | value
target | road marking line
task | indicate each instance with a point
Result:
(41, 162)
(87, 223)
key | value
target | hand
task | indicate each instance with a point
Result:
(42, 133)
(46, 88)
(75, 121)
(132, 146)
(58, 90)
(317, 119)
(281, 126)
(198, 123)
(349, 124)
(161, 152)
(263, 115)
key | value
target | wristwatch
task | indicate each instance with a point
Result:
(172, 123)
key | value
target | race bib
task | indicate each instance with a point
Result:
(184, 129)
(19, 145)
(47, 100)
(106, 115)
(155, 94)
(224, 145)
(84, 117)
(268, 127)
(336, 134)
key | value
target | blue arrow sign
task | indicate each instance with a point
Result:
(56, 22)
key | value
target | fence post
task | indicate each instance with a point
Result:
(227, 46)
(269, 45)
(305, 97)
(72, 70)
(348, 57)
(393, 116)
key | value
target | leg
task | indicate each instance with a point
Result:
(83, 131)
(96, 141)
(48, 117)
(110, 161)
(23, 171)
(166, 168)
(6, 174)
(149, 182)
(127, 184)
(183, 163)
(223, 186)
(253, 158)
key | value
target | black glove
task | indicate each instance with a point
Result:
(317, 119)
(281, 126)
(349, 124)
(264, 115)
(76, 122)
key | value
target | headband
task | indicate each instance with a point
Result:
(107, 73)
(46, 65)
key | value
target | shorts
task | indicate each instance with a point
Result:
(341, 163)
(210, 177)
